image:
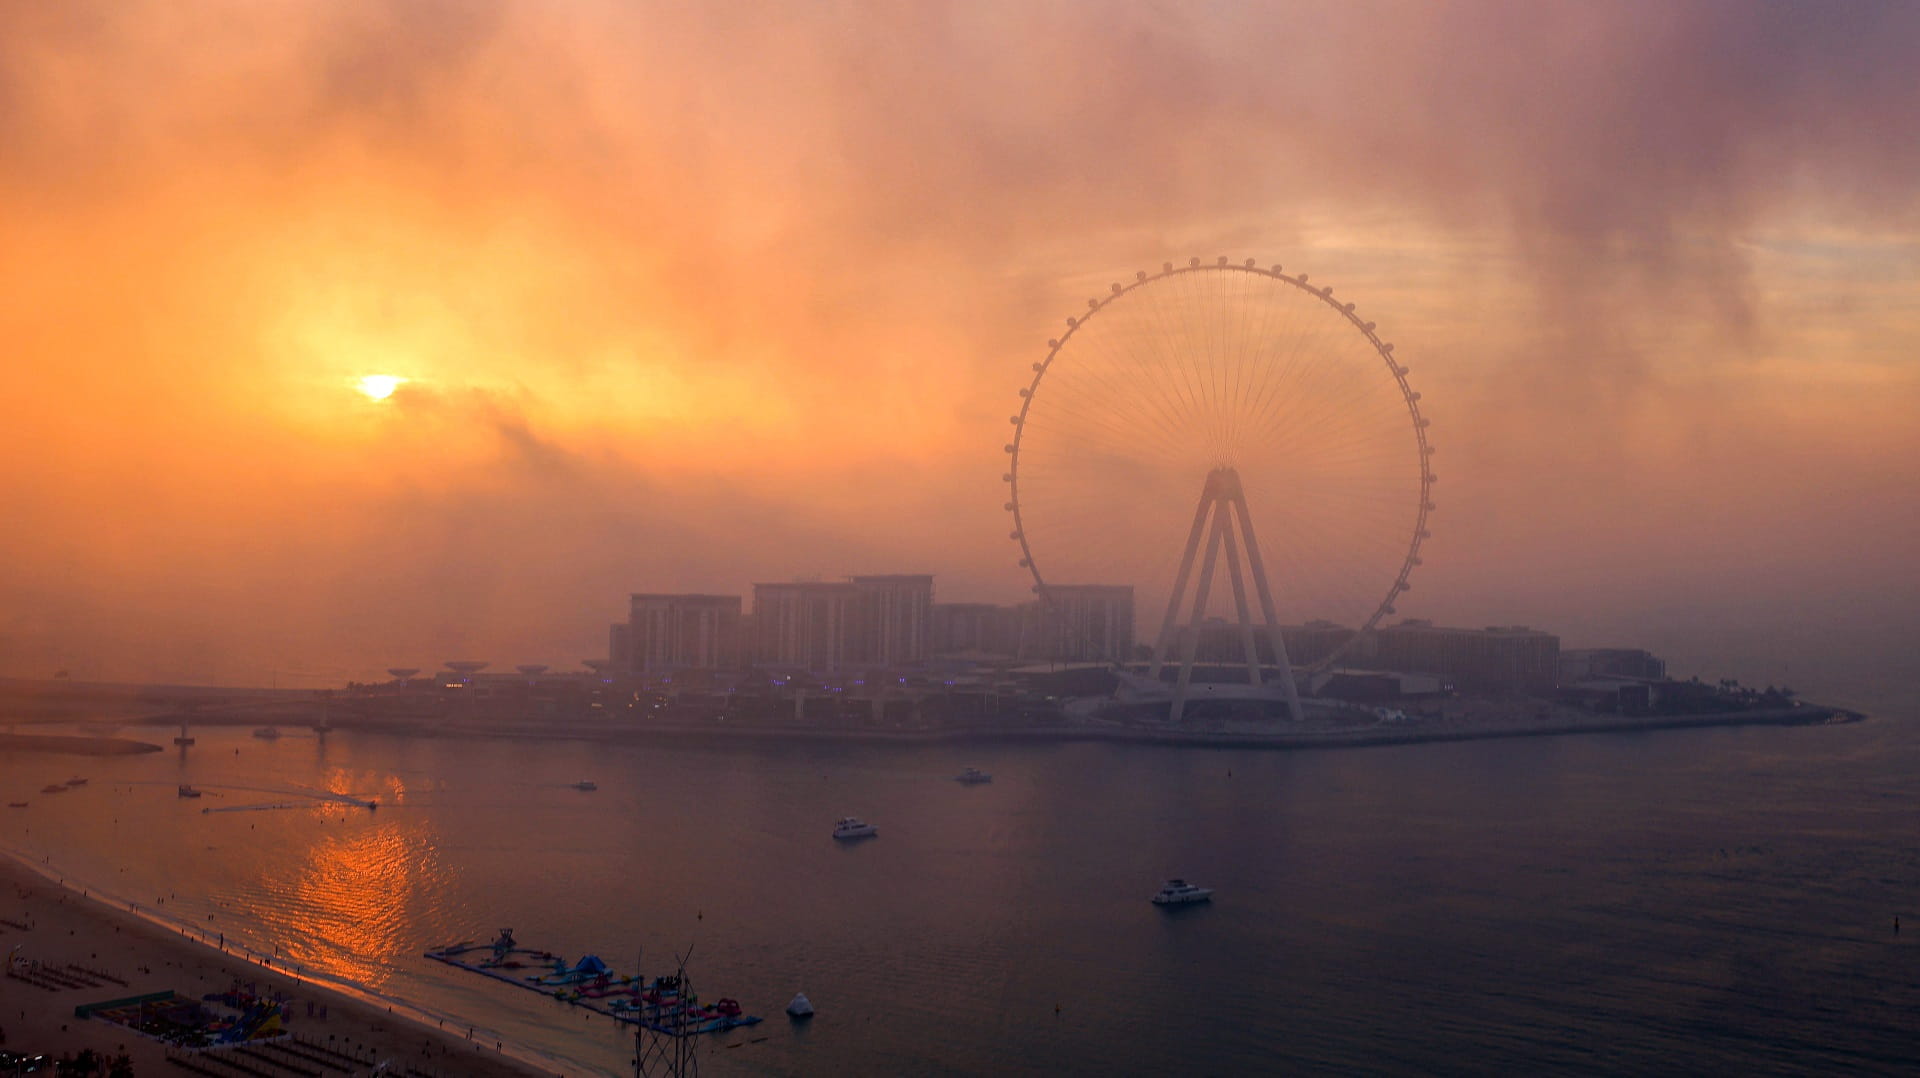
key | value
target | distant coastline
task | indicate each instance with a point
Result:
(74, 746)
(1408, 733)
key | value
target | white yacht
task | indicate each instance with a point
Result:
(267, 733)
(854, 827)
(586, 784)
(972, 776)
(1180, 892)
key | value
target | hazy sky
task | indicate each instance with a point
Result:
(694, 295)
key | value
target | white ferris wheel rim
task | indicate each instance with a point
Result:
(1382, 349)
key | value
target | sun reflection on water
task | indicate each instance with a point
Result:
(344, 909)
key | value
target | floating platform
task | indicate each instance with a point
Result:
(589, 983)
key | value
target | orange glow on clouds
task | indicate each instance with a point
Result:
(682, 300)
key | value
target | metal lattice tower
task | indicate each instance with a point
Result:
(666, 1046)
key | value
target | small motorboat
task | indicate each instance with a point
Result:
(188, 791)
(267, 733)
(801, 1007)
(1180, 893)
(973, 776)
(854, 827)
(586, 784)
(53, 788)
(16, 804)
(76, 782)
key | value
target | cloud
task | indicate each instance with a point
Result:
(678, 284)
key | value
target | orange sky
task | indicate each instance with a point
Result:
(690, 296)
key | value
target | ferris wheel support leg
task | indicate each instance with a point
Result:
(1240, 602)
(1192, 635)
(1168, 625)
(1259, 571)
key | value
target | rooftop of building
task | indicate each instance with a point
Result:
(1422, 625)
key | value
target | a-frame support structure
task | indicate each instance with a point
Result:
(1224, 503)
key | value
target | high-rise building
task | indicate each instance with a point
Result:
(805, 624)
(977, 627)
(674, 632)
(1081, 623)
(891, 627)
(1496, 659)
(619, 649)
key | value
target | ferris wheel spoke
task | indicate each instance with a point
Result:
(1233, 369)
(1106, 409)
(1117, 386)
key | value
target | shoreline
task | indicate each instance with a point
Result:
(1410, 733)
(168, 956)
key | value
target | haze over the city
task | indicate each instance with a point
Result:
(681, 299)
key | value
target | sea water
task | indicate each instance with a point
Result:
(1681, 901)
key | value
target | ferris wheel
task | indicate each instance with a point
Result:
(1275, 406)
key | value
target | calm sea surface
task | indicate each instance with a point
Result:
(1676, 902)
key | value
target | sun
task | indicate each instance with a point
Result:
(379, 387)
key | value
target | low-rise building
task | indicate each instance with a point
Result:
(1501, 658)
(1586, 664)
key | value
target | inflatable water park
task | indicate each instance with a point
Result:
(660, 1004)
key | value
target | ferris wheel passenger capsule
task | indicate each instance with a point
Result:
(1275, 269)
(1387, 347)
(1025, 392)
(1223, 260)
(1347, 308)
(1008, 447)
(1014, 419)
(1140, 275)
(1008, 507)
(1072, 321)
(1166, 267)
(1250, 263)
(1025, 562)
(1368, 326)
(1193, 263)
(1116, 288)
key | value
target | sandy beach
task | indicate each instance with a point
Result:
(102, 953)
